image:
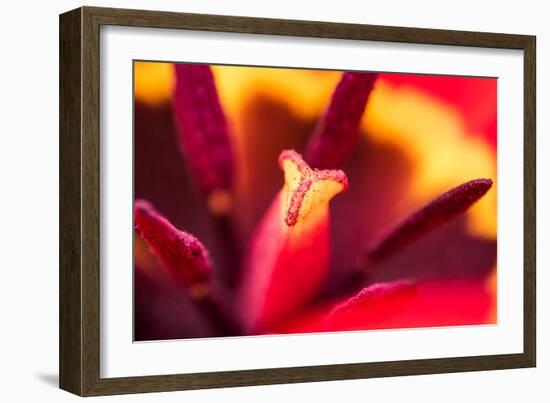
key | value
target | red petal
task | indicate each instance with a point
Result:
(372, 304)
(336, 134)
(474, 97)
(445, 303)
(401, 306)
(363, 311)
(288, 258)
(181, 253)
(203, 130)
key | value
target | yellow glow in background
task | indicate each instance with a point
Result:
(429, 131)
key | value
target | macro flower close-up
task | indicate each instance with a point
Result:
(281, 201)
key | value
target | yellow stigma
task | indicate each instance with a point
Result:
(307, 190)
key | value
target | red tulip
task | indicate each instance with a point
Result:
(306, 266)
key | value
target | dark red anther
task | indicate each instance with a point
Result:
(441, 210)
(202, 126)
(183, 255)
(336, 134)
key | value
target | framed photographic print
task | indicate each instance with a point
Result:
(249, 201)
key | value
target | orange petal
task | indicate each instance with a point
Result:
(289, 253)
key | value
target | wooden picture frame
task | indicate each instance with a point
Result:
(79, 347)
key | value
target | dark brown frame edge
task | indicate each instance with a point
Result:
(79, 201)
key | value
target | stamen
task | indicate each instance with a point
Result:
(441, 210)
(205, 144)
(336, 134)
(183, 255)
(372, 303)
(187, 260)
(203, 130)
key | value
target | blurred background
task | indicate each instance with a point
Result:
(420, 135)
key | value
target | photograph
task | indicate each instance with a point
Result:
(250, 200)
(275, 200)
